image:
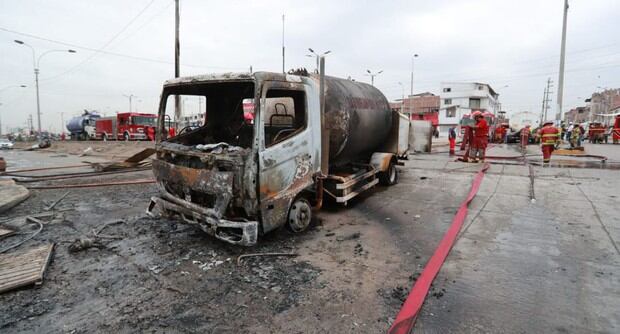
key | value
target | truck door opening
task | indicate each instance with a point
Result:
(284, 115)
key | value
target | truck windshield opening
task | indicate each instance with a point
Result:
(211, 113)
(142, 120)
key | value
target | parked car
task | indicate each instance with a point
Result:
(5, 144)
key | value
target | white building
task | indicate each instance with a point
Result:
(461, 98)
(193, 120)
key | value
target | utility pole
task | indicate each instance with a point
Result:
(30, 126)
(542, 110)
(62, 122)
(547, 98)
(177, 66)
(412, 64)
(283, 70)
(558, 113)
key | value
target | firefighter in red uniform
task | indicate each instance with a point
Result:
(481, 137)
(616, 130)
(150, 133)
(525, 135)
(549, 138)
(466, 142)
(452, 138)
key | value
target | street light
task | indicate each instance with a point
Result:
(318, 56)
(12, 86)
(412, 64)
(35, 63)
(130, 97)
(372, 76)
(2, 90)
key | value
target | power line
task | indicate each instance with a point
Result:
(96, 52)
(146, 22)
(116, 54)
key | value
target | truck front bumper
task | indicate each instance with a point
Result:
(243, 233)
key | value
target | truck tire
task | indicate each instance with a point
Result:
(390, 176)
(299, 215)
(126, 136)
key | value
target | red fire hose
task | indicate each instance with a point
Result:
(411, 307)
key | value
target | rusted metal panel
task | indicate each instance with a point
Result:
(243, 233)
(381, 161)
(26, 268)
(186, 183)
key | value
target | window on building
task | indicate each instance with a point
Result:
(474, 103)
(447, 101)
(447, 90)
(451, 112)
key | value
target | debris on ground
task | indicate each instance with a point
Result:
(134, 161)
(87, 151)
(84, 243)
(263, 254)
(5, 232)
(94, 241)
(11, 194)
(57, 201)
(351, 236)
(25, 268)
(15, 245)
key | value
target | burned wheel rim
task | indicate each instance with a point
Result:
(392, 174)
(299, 215)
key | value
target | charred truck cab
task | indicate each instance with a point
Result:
(263, 159)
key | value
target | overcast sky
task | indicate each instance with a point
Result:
(500, 42)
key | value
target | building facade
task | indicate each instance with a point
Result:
(577, 115)
(423, 106)
(462, 98)
(603, 103)
(192, 120)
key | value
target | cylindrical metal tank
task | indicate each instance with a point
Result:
(358, 117)
(76, 124)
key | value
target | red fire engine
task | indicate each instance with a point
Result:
(126, 126)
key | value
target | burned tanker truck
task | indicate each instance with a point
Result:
(271, 148)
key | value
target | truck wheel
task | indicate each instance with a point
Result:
(126, 136)
(299, 215)
(390, 176)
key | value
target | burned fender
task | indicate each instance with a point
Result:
(381, 161)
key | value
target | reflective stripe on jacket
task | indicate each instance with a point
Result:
(549, 135)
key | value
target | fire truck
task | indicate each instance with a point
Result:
(126, 126)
